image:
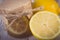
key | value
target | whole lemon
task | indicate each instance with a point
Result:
(47, 5)
(59, 10)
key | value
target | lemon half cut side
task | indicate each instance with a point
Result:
(20, 26)
(45, 25)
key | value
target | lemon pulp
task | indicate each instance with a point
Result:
(45, 25)
(20, 26)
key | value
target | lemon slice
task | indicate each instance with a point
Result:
(45, 25)
(19, 27)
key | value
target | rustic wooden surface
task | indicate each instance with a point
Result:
(4, 35)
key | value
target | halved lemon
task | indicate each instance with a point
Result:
(19, 27)
(45, 25)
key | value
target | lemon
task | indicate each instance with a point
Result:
(59, 10)
(47, 5)
(45, 25)
(19, 27)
